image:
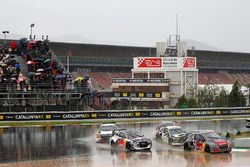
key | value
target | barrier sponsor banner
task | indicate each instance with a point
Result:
(45, 116)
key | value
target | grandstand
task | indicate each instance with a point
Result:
(103, 62)
(31, 79)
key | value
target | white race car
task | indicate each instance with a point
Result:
(105, 132)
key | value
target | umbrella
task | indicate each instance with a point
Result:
(3, 64)
(23, 39)
(31, 73)
(69, 79)
(86, 76)
(29, 62)
(38, 73)
(37, 59)
(61, 76)
(48, 69)
(40, 70)
(47, 60)
(14, 75)
(79, 79)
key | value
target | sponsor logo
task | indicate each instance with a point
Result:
(94, 115)
(31, 117)
(189, 62)
(202, 112)
(161, 114)
(150, 62)
(48, 116)
(75, 116)
(117, 115)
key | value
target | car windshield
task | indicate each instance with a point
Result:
(108, 127)
(165, 124)
(176, 131)
(212, 135)
(133, 134)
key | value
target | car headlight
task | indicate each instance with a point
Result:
(131, 143)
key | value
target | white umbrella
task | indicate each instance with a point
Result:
(38, 73)
(40, 70)
(29, 62)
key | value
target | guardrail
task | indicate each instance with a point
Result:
(126, 114)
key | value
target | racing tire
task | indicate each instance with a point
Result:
(128, 147)
(188, 147)
(113, 144)
(170, 141)
(157, 138)
(207, 149)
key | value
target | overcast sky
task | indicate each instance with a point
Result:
(224, 24)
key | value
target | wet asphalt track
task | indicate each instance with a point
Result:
(75, 146)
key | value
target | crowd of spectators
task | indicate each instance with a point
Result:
(43, 71)
(10, 76)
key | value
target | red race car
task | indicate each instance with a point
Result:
(207, 141)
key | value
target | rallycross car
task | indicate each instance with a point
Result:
(207, 141)
(248, 123)
(130, 140)
(174, 135)
(160, 127)
(105, 132)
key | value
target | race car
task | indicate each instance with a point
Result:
(105, 132)
(207, 141)
(248, 123)
(130, 140)
(158, 131)
(174, 135)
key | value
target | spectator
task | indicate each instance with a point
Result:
(17, 67)
(13, 47)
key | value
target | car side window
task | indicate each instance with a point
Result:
(122, 135)
(198, 138)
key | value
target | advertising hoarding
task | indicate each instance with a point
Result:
(164, 63)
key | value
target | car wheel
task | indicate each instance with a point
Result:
(188, 147)
(170, 141)
(207, 149)
(129, 147)
(113, 144)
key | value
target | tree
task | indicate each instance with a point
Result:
(236, 97)
(182, 102)
(207, 95)
(222, 99)
(192, 103)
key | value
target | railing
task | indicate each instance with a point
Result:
(75, 60)
(222, 65)
(42, 88)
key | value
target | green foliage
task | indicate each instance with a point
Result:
(213, 96)
(182, 102)
(207, 95)
(192, 103)
(221, 100)
(236, 97)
